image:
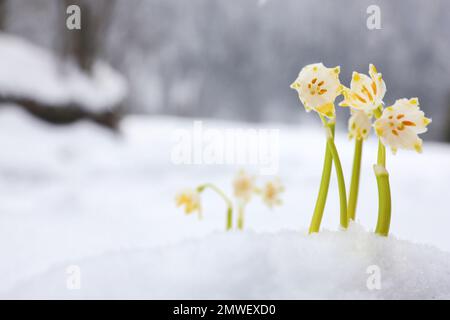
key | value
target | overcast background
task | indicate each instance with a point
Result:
(235, 59)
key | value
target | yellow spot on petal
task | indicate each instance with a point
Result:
(409, 123)
(414, 101)
(356, 76)
(374, 87)
(418, 147)
(426, 121)
(326, 109)
(360, 98)
(379, 131)
(372, 68)
(367, 92)
(295, 85)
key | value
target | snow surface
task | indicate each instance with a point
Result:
(29, 71)
(283, 265)
(81, 195)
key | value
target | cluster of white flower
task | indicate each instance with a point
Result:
(397, 126)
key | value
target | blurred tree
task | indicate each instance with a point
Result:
(447, 118)
(84, 45)
(3, 9)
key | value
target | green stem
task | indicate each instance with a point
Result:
(339, 174)
(354, 184)
(381, 160)
(229, 216)
(384, 192)
(240, 221)
(323, 189)
(341, 183)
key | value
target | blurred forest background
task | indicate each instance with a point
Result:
(235, 59)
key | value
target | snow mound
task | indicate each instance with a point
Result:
(281, 265)
(32, 72)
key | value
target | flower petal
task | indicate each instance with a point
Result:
(318, 87)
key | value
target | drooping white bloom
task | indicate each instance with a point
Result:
(317, 87)
(190, 199)
(271, 193)
(365, 93)
(243, 186)
(359, 124)
(400, 124)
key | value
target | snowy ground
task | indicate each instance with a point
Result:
(80, 195)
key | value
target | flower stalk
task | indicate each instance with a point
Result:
(339, 174)
(384, 200)
(384, 189)
(354, 184)
(241, 216)
(331, 146)
(323, 189)
(229, 214)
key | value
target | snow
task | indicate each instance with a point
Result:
(282, 265)
(32, 72)
(81, 195)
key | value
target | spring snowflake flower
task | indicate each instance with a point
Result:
(400, 124)
(359, 124)
(190, 199)
(365, 93)
(244, 186)
(271, 193)
(317, 87)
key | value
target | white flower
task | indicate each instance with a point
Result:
(359, 124)
(317, 87)
(190, 199)
(365, 93)
(244, 187)
(271, 193)
(400, 124)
